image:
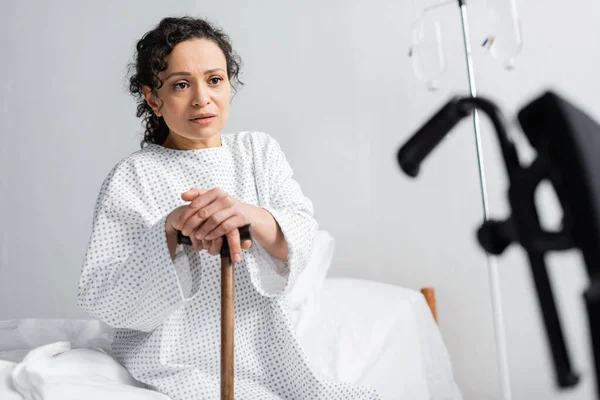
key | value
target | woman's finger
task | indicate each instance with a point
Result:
(192, 224)
(196, 244)
(192, 216)
(235, 248)
(191, 194)
(213, 215)
(206, 244)
(215, 246)
(216, 225)
(207, 198)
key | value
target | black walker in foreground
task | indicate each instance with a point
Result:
(567, 142)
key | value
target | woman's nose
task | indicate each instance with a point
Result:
(201, 96)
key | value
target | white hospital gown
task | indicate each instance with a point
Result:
(167, 313)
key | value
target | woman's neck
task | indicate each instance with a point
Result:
(176, 142)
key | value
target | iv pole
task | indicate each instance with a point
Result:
(491, 260)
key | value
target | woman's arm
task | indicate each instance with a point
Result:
(267, 232)
(130, 277)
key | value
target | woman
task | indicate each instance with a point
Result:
(164, 298)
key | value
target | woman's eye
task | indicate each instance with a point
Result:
(215, 80)
(180, 85)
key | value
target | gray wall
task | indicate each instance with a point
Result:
(333, 83)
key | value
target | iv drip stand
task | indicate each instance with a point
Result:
(491, 260)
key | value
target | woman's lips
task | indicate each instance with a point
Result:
(203, 121)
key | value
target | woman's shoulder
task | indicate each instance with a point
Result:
(258, 142)
(133, 161)
(129, 169)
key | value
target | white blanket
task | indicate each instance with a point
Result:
(57, 372)
(356, 331)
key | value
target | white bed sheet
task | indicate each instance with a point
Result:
(352, 330)
(377, 335)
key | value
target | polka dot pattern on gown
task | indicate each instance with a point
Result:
(168, 312)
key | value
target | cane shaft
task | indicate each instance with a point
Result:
(227, 326)
(227, 310)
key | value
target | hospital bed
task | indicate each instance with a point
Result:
(352, 330)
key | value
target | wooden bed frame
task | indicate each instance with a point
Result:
(429, 294)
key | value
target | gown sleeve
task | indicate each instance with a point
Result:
(281, 195)
(128, 278)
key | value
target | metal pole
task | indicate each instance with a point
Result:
(491, 261)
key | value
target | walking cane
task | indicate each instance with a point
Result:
(227, 310)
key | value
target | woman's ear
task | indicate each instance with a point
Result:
(152, 100)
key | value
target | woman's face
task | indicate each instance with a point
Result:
(195, 96)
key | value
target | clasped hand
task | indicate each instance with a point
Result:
(210, 215)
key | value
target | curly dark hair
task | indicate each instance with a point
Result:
(150, 59)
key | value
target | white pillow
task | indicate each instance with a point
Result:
(313, 276)
(57, 372)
